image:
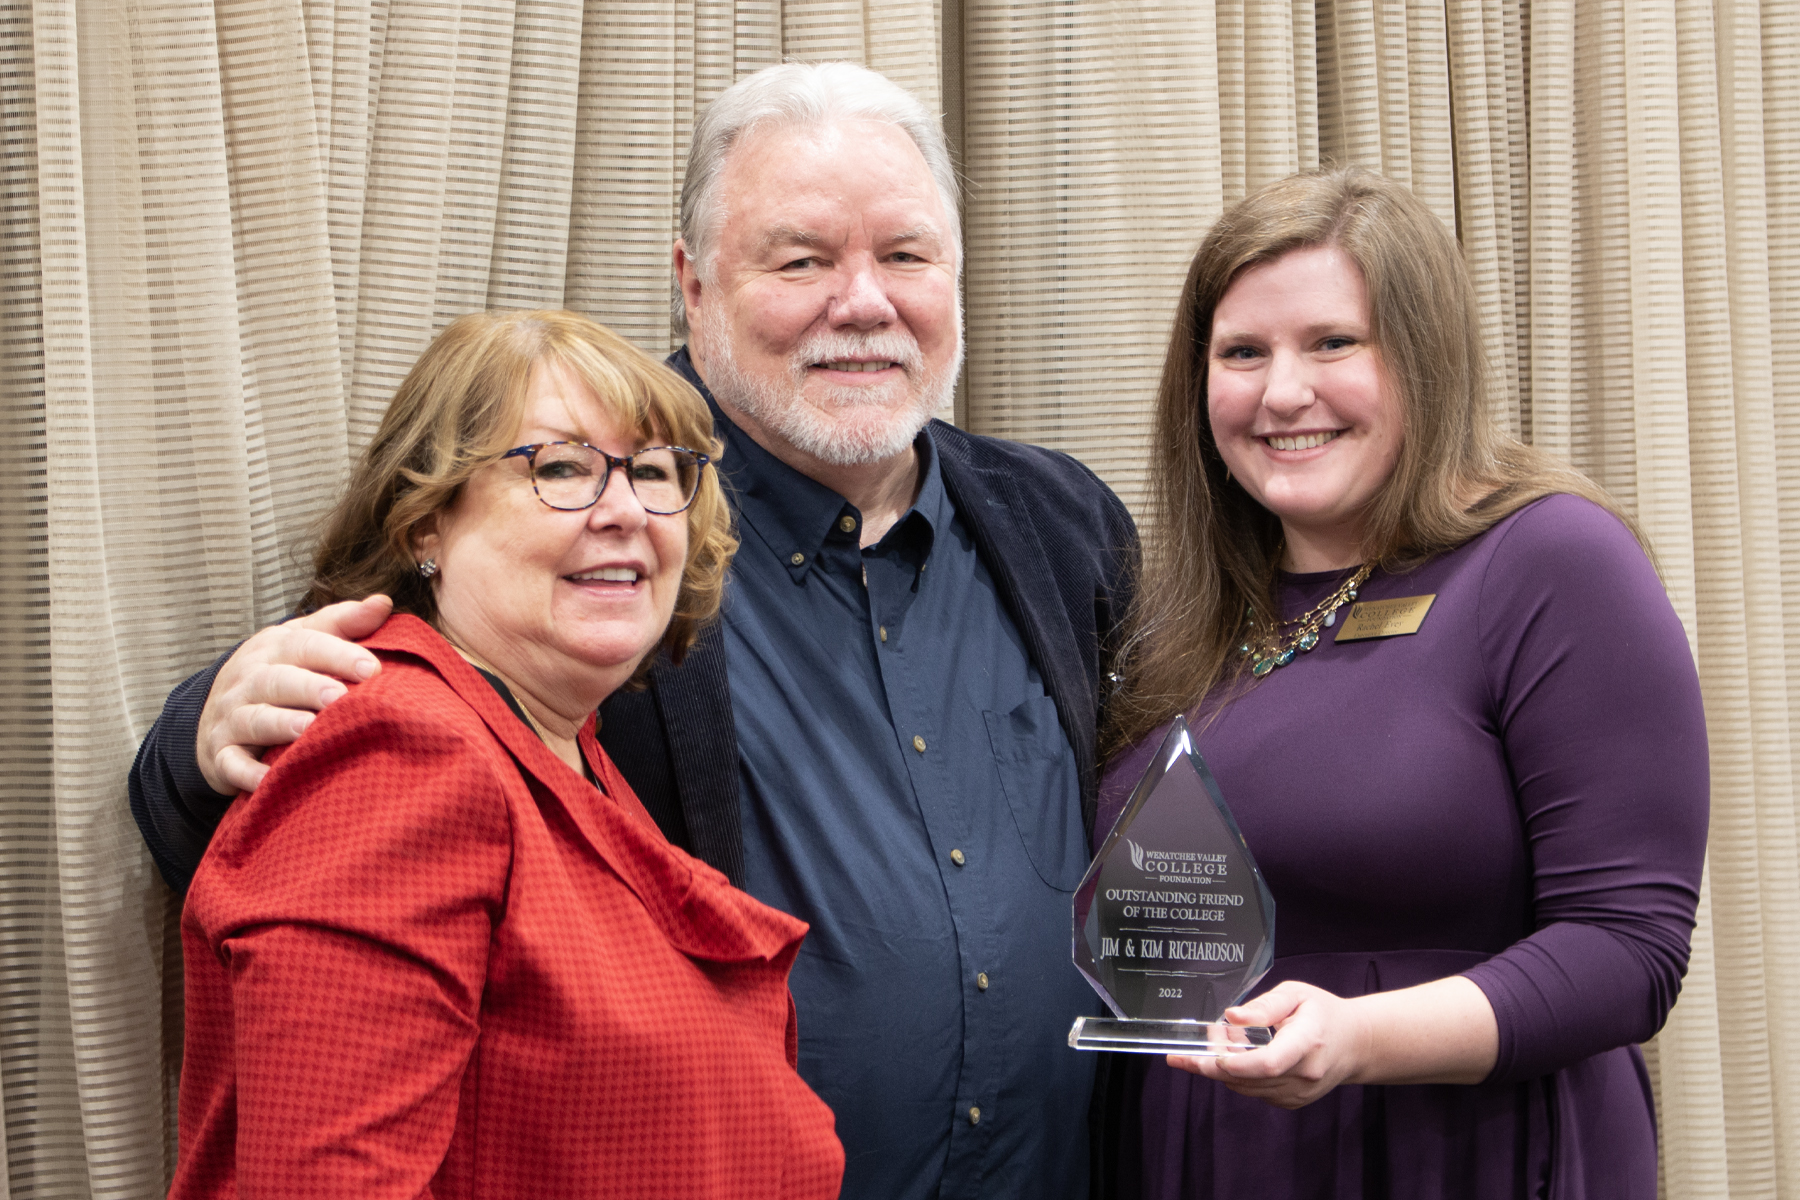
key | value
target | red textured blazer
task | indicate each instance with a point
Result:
(427, 958)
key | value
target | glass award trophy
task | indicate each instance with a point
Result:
(1173, 922)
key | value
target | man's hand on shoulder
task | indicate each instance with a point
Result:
(268, 691)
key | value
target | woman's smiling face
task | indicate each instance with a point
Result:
(1299, 402)
(560, 602)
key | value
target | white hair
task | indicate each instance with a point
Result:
(805, 95)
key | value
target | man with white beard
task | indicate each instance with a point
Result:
(891, 732)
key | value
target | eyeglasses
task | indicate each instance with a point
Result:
(570, 476)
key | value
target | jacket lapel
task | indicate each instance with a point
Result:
(1007, 539)
(702, 919)
(694, 702)
(536, 761)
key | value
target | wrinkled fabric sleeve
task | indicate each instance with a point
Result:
(350, 910)
(1595, 690)
(173, 806)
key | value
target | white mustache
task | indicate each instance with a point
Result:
(833, 346)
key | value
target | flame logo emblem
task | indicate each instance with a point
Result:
(1137, 854)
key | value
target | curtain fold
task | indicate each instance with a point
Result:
(1094, 164)
(1730, 448)
(1487, 86)
(230, 227)
(1755, 895)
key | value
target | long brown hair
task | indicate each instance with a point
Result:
(456, 412)
(1212, 550)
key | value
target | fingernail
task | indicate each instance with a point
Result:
(328, 694)
(365, 667)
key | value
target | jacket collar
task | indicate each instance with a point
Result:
(1007, 539)
(697, 911)
(408, 634)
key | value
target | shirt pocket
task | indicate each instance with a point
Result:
(1037, 773)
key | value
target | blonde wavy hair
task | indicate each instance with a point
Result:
(458, 410)
(1213, 550)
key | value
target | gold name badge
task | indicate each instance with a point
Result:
(1385, 618)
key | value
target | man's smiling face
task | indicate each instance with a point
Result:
(829, 314)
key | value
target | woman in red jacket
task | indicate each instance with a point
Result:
(442, 950)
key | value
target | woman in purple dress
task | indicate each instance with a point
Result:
(1483, 825)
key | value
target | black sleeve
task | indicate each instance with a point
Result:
(174, 808)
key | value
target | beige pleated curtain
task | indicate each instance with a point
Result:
(230, 227)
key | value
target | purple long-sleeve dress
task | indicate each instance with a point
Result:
(1516, 793)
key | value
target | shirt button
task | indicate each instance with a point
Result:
(974, 1115)
(847, 524)
(798, 558)
(884, 633)
(956, 856)
(918, 743)
(981, 981)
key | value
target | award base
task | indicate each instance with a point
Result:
(1198, 1039)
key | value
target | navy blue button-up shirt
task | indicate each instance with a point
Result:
(908, 791)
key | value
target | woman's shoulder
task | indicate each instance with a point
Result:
(396, 794)
(1564, 580)
(415, 684)
(1564, 546)
(1561, 523)
(406, 735)
(409, 698)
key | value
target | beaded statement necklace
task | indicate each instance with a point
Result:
(1278, 647)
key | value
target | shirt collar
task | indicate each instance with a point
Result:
(795, 515)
